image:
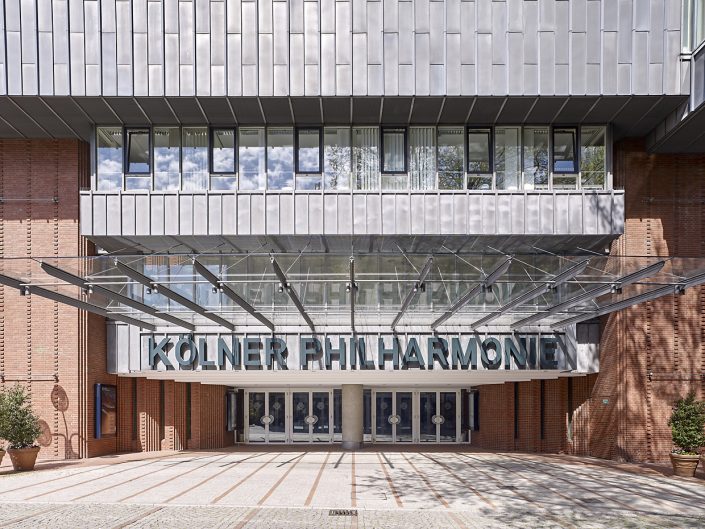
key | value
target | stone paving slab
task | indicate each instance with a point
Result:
(387, 488)
(117, 516)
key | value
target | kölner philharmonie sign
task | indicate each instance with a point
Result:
(230, 351)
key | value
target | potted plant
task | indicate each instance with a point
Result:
(19, 426)
(2, 418)
(687, 424)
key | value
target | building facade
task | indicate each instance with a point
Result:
(477, 223)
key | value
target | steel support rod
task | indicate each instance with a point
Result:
(168, 293)
(534, 293)
(291, 293)
(412, 293)
(230, 293)
(67, 300)
(112, 295)
(593, 293)
(679, 288)
(491, 278)
(352, 288)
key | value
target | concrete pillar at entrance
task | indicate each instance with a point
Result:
(352, 416)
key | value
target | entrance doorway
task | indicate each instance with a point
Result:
(293, 416)
(314, 415)
(409, 416)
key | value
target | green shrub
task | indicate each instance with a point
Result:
(687, 424)
(19, 425)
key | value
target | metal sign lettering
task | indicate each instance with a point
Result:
(426, 352)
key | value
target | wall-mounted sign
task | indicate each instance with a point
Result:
(471, 351)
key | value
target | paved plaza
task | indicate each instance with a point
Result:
(373, 488)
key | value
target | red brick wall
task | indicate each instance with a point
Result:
(208, 417)
(54, 350)
(497, 414)
(626, 416)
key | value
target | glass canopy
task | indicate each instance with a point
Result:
(412, 292)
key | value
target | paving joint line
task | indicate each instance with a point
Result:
(395, 493)
(231, 489)
(280, 480)
(316, 481)
(151, 487)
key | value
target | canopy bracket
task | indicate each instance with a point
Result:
(168, 293)
(286, 287)
(418, 285)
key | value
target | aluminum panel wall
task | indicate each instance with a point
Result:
(327, 47)
(356, 213)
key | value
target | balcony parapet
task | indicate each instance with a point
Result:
(352, 213)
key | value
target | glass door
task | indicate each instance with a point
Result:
(320, 417)
(266, 417)
(404, 427)
(447, 416)
(393, 416)
(384, 416)
(427, 412)
(300, 417)
(438, 417)
(310, 418)
(258, 418)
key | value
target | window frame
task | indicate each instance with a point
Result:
(126, 152)
(490, 147)
(95, 177)
(405, 132)
(211, 143)
(297, 170)
(576, 150)
(465, 158)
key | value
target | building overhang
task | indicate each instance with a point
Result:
(460, 291)
(75, 117)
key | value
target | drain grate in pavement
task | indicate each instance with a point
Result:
(342, 512)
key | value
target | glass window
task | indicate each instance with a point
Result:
(223, 151)
(137, 151)
(693, 24)
(280, 158)
(223, 183)
(138, 183)
(422, 157)
(307, 182)
(194, 158)
(167, 157)
(366, 157)
(251, 158)
(336, 157)
(308, 150)
(592, 157)
(536, 158)
(507, 157)
(394, 150)
(564, 148)
(451, 158)
(479, 159)
(109, 158)
(479, 156)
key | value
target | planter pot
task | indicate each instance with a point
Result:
(23, 458)
(684, 465)
(2, 454)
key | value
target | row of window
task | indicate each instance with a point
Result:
(693, 26)
(344, 158)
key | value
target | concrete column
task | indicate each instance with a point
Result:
(352, 416)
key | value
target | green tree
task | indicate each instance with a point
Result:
(19, 425)
(687, 424)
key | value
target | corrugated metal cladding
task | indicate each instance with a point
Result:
(548, 213)
(341, 47)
